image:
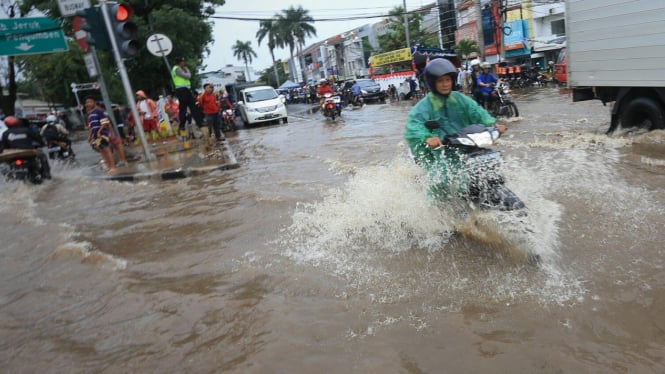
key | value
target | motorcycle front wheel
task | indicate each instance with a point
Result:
(510, 110)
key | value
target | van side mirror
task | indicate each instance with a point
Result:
(432, 124)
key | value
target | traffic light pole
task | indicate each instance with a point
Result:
(125, 79)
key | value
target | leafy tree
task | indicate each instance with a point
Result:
(268, 29)
(244, 52)
(294, 27)
(396, 37)
(269, 78)
(466, 47)
(186, 23)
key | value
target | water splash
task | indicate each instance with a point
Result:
(88, 255)
(393, 245)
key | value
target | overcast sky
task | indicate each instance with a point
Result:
(226, 32)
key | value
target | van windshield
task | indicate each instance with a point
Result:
(260, 95)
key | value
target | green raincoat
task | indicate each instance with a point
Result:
(453, 113)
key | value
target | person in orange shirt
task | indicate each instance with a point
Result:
(210, 106)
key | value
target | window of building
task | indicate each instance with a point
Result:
(558, 27)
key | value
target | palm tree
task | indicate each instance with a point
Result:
(294, 26)
(268, 29)
(465, 47)
(286, 38)
(243, 51)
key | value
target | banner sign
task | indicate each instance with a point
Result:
(391, 57)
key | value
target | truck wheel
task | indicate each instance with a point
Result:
(643, 112)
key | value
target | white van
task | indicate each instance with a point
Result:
(261, 104)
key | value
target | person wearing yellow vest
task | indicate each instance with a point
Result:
(181, 81)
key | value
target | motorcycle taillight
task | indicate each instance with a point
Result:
(18, 162)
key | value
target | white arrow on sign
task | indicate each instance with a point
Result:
(24, 46)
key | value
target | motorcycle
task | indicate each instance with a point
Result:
(22, 165)
(486, 192)
(486, 187)
(228, 120)
(357, 100)
(502, 102)
(350, 98)
(59, 150)
(332, 106)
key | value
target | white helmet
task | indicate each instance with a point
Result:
(475, 62)
(486, 65)
(51, 118)
(323, 80)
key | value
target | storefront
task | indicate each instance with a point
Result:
(546, 49)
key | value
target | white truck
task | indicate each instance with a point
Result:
(616, 53)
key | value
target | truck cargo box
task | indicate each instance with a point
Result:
(618, 43)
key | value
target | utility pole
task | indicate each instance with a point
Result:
(124, 78)
(406, 25)
(438, 23)
(502, 15)
(479, 29)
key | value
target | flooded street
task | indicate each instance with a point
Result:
(323, 253)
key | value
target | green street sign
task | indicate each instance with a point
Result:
(28, 36)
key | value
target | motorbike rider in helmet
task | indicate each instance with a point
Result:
(452, 110)
(19, 136)
(55, 133)
(324, 88)
(486, 80)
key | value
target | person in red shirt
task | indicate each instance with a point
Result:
(324, 88)
(210, 107)
(172, 108)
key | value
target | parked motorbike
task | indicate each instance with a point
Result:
(501, 103)
(22, 165)
(332, 106)
(486, 187)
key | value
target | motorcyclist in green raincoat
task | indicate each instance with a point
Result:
(453, 111)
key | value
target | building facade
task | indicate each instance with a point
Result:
(511, 32)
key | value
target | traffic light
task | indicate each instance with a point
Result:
(93, 24)
(124, 29)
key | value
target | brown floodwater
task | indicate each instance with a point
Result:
(324, 253)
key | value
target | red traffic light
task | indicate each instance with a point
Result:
(122, 12)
